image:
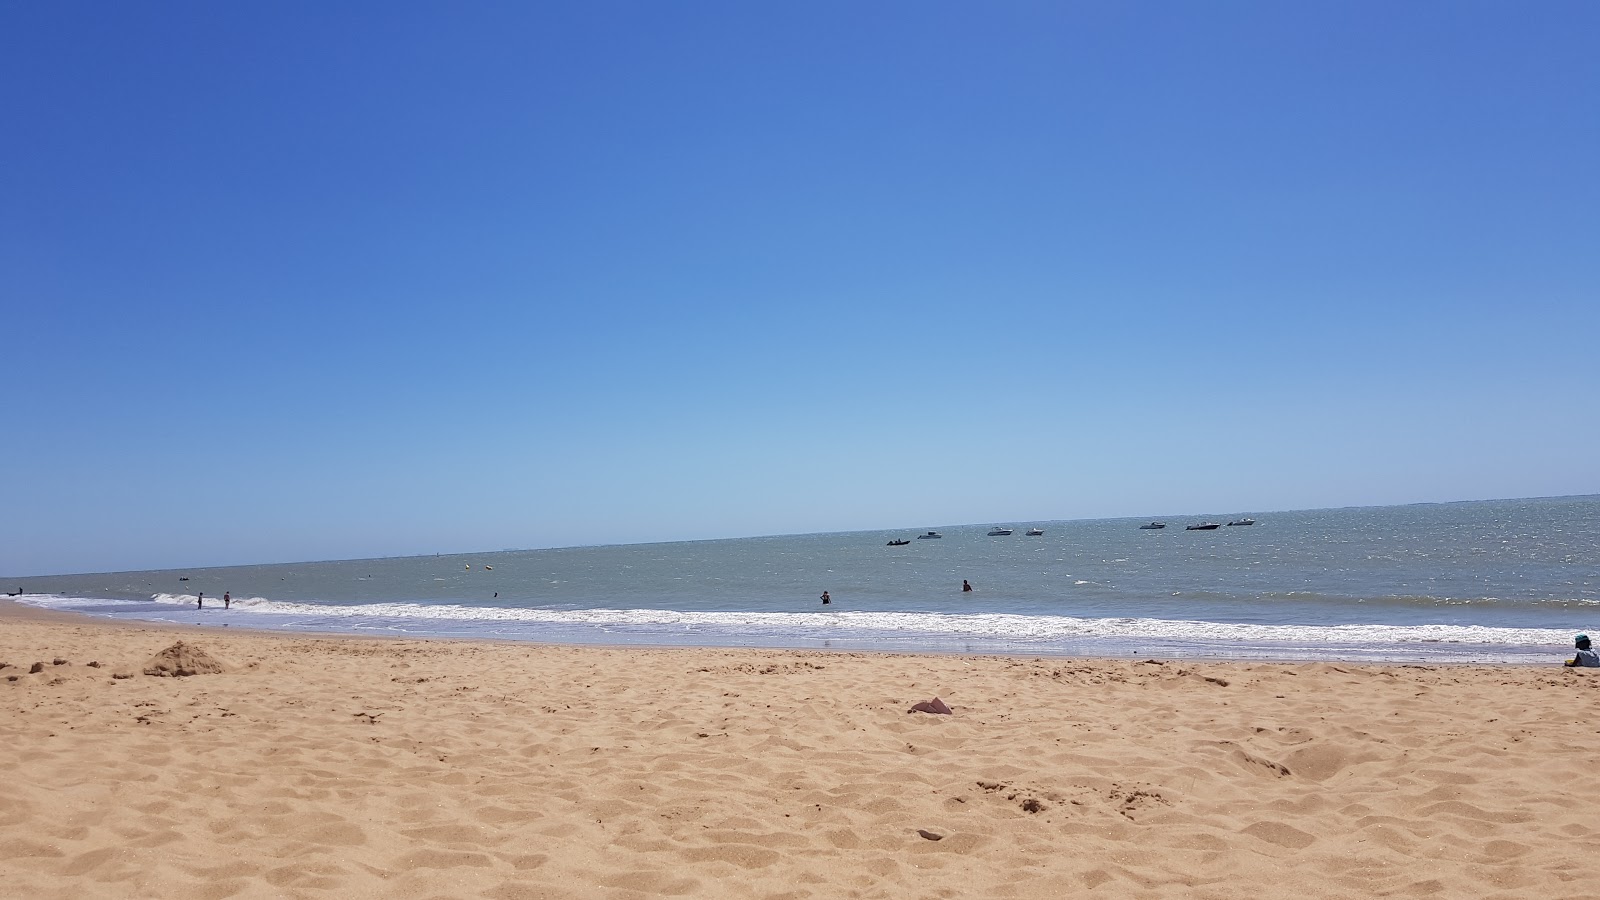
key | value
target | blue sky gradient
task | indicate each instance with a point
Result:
(289, 281)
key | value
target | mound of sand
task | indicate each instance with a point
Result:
(183, 659)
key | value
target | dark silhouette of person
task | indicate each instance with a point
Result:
(200, 601)
(965, 586)
(826, 599)
(227, 600)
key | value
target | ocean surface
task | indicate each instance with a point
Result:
(1489, 581)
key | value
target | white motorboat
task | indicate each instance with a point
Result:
(998, 530)
(1035, 532)
(931, 534)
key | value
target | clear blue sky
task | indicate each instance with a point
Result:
(289, 281)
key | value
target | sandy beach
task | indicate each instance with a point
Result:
(339, 767)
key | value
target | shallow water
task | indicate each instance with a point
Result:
(1506, 580)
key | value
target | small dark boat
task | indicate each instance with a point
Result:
(1203, 526)
(1153, 526)
(900, 543)
(1242, 522)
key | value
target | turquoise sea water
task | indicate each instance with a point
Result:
(1504, 580)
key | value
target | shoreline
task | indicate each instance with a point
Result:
(1511, 656)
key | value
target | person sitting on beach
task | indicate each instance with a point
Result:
(1585, 655)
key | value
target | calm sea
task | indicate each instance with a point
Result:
(1491, 581)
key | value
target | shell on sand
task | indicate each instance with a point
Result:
(183, 659)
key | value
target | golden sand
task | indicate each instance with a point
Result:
(341, 767)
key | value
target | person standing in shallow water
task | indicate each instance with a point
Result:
(227, 600)
(200, 601)
(965, 586)
(826, 599)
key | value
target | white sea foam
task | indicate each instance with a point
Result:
(260, 603)
(1001, 627)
